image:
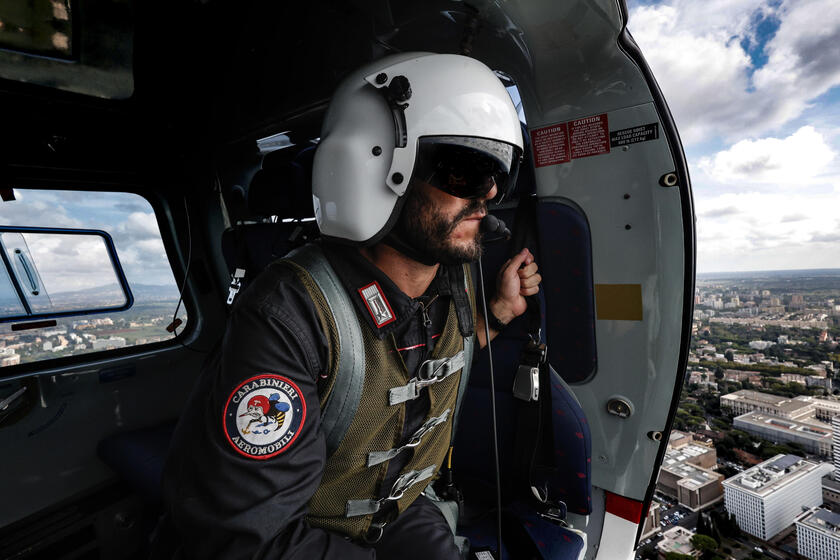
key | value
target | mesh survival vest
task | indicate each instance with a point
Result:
(363, 407)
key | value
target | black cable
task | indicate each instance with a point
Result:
(493, 412)
(186, 277)
(187, 269)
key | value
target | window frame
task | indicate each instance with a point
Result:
(115, 262)
(162, 206)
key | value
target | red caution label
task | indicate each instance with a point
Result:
(550, 145)
(589, 136)
(563, 142)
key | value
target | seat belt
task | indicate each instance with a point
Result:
(532, 389)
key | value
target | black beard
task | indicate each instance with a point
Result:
(426, 230)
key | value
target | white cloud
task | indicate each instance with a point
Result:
(772, 231)
(26, 211)
(140, 225)
(694, 49)
(797, 160)
(68, 262)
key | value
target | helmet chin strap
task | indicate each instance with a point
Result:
(395, 241)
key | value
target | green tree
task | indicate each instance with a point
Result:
(730, 356)
(704, 543)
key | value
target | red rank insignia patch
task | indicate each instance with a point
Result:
(377, 305)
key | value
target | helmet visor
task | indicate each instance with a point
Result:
(467, 167)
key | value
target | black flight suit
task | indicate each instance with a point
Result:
(225, 505)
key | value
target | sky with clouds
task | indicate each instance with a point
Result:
(754, 87)
(70, 262)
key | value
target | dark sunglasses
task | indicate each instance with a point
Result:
(467, 171)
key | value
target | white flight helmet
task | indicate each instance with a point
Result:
(379, 118)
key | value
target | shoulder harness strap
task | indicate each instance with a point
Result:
(469, 348)
(343, 401)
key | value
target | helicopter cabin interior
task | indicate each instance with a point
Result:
(150, 150)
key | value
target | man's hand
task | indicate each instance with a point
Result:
(517, 278)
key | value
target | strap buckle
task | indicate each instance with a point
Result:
(354, 508)
(402, 484)
(526, 383)
(377, 457)
(235, 284)
(552, 510)
(426, 428)
(429, 373)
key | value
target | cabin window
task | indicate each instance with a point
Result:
(130, 221)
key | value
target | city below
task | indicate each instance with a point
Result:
(144, 323)
(752, 468)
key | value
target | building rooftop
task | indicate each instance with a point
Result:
(822, 520)
(829, 482)
(808, 430)
(767, 477)
(694, 477)
(677, 539)
(676, 435)
(685, 453)
(820, 403)
(784, 404)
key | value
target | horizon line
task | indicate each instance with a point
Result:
(767, 270)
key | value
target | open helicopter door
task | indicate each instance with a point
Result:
(614, 223)
(614, 209)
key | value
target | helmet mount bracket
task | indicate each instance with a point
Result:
(396, 93)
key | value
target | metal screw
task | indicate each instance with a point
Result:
(626, 196)
(655, 435)
(381, 78)
(628, 226)
(602, 458)
(397, 178)
(625, 148)
(376, 150)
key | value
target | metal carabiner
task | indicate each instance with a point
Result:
(380, 529)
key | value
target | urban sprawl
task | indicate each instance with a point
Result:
(752, 468)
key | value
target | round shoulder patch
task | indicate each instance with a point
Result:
(264, 415)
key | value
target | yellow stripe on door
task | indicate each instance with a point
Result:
(618, 302)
